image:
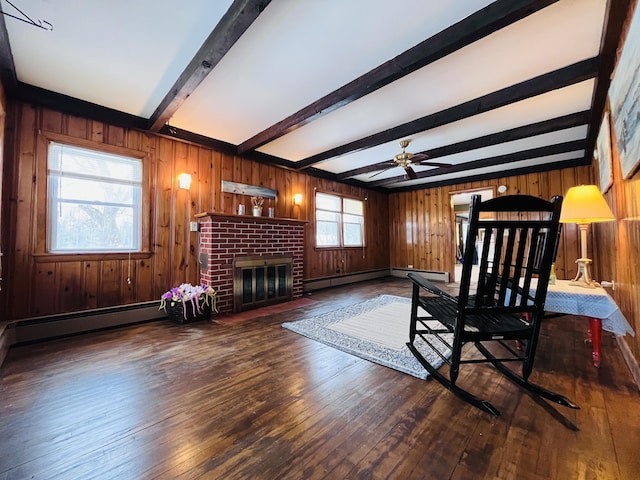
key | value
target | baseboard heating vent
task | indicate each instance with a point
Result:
(428, 274)
(326, 282)
(35, 329)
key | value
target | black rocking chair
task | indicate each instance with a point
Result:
(517, 235)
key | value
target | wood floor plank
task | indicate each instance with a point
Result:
(254, 400)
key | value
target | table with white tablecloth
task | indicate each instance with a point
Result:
(595, 304)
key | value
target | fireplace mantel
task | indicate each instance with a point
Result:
(249, 218)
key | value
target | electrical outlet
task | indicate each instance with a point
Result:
(410, 265)
(193, 226)
(611, 284)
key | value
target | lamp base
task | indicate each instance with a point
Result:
(583, 279)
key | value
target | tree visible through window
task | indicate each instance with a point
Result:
(94, 201)
(339, 221)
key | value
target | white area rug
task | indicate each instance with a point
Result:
(376, 330)
(387, 326)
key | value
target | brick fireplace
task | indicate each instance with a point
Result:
(225, 239)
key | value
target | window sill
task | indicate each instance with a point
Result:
(93, 256)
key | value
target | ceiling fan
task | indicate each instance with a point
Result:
(406, 159)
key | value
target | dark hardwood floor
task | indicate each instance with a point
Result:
(255, 401)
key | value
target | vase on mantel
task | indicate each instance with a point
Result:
(257, 211)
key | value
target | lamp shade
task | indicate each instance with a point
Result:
(585, 204)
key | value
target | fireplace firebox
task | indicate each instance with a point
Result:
(260, 280)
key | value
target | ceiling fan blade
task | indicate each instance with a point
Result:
(433, 164)
(382, 171)
(410, 172)
(419, 156)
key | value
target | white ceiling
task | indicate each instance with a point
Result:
(129, 57)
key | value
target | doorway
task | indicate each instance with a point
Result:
(460, 212)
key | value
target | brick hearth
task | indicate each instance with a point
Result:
(225, 237)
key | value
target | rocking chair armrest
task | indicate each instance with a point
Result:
(430, 287)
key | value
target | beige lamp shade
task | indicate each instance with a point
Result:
(585, 204)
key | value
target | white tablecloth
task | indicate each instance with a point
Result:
(590, 302)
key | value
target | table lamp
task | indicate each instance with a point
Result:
(584, 205)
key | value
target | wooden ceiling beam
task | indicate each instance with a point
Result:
(547, 82)
(498, 160)
(539, 128)
(7, 66)
(484, 22)
(544, 167)
(234, 23)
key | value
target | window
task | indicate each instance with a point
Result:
(94, 201)
(339, 221)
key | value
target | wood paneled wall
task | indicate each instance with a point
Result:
(421, 223)
(618, 243)
(617, 253)
(41, 284)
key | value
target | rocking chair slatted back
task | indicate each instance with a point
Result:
(513, 251)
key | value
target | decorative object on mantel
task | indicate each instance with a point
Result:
(188, 303)
(251, 190)
(241, 209)
(584, 205)
(256, 204)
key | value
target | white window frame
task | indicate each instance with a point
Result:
(340, 220)
(56, 198)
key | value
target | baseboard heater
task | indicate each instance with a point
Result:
(428, 274)
(34, 329)
(326, 282)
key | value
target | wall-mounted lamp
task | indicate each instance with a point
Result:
(297, 199)
(185, 181)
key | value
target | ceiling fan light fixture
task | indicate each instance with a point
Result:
(403, 159)
(406, 160)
